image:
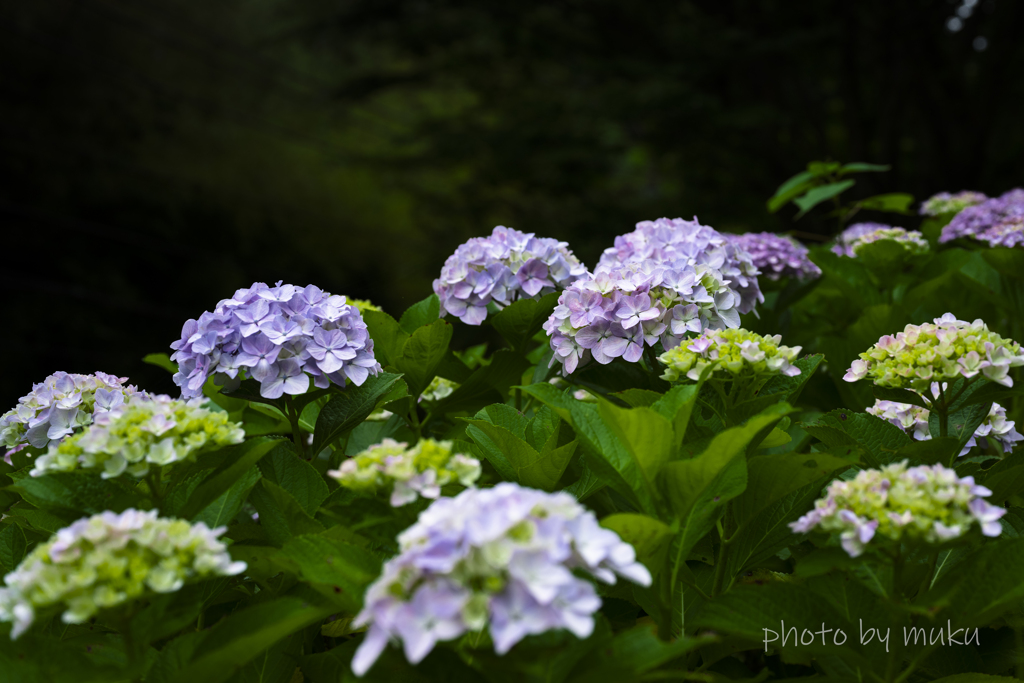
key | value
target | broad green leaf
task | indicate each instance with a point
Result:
(861, 167)
(793, 187)
(45, 521)
(636, 398)
(388, 336)
(286, 468)
(845, 431)
(512, 455)
(1005, 478)
(281, 516)
(239, 638)
(930, 452)
(422, 353)
(965, 415)
(82, 492)
(893, 202)
(420, 313)
(644, 433)
(677, 406)
(778, 388)
(226, 506)
(771, 477)
(983, 586)
(335, 666)
(343, 568)
(350, 406)
(632, 653)
(823, 168)
(556, 399)
(776, 438)
(521, 320)
(648, 536)
(238, 460)
(820, 194)
(12, 546)
(899, 395)
(161, 360)
(37, 658)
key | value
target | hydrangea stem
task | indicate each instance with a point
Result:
(292, 413)
(652, 360)
(723, 555)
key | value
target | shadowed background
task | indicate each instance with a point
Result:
(160, 155)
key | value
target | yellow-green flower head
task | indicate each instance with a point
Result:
(936, 352)
(362, 305)
(927, 503)
(438, 388)
(147, 430)
(409, 472)
(911, 240)
(732, 351)
(109, 559)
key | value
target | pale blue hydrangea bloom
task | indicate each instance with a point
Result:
(777, 256)
(501, 559)
(499, 269)
(82, 568)
(59, 405)
(281, 336)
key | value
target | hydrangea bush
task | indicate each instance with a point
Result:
(335, 498)
(853, 239)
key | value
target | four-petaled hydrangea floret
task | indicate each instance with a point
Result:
(501, 559)
(409, 473)
(946, 203)
(281, 336)
(687, 247)
(736, 352)
(144, 432)
(59, 405)
(975, 220)
(914, 421)
(937, 352)
(438, 388)
(500, 269)
(777, 256)
(853, 239)
(109, 559)
(927, 503)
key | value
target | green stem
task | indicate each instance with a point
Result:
(153, 479)
(652, 360)
(414, 418)
(926, 584)
(717, 386)
(897, 573)
(292, 413)
(519, 399)
(723, 554)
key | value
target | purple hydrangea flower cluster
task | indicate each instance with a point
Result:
(500, 269)
(974, 220)
(945, 203)
(1009, 232)
(276, 335)
(777, 256)
(60, 404)
(681, 245)
(500, 558)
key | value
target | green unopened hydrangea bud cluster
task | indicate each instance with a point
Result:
(927, 503)
(410, 472)
(438, 388)
(911, 240)
(145, 431)
(936, 352)
(362, 305)
(733, 351)
(109, 559)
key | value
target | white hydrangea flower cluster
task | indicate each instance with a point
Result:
(59, 405)
(502, 559)
(926, 503)
(914, 421)
(109, 559)
(942, 350)
(148, 430)
(411, 473)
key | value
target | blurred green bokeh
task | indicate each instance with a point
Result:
(161, 154)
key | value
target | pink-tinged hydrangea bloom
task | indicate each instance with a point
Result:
(60, 405)
(914, 421)
(946, 203)
(974, 220)
(939, 351)
(691, 252)
(501, 559)
(110, 559)
(500, 269)
(928, 504)
(857, 235)
(777, 256)
(281, 336)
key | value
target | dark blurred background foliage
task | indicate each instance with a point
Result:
(161, 154)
